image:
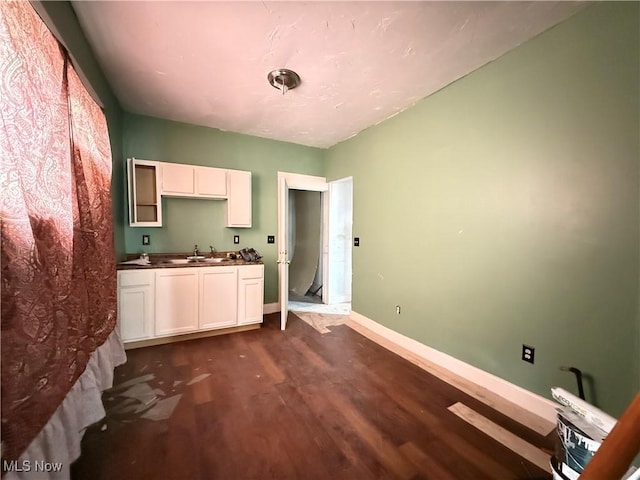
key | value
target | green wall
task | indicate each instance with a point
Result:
(504, 210)
(62, 21)
(187, 221)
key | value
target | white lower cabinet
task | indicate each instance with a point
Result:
(164, 302)
(218, 297)
(250, 295)
(176, 300)
(135, 304)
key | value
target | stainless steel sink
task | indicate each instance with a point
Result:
(181, 261)
(189, 260)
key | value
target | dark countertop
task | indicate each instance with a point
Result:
(163, 260)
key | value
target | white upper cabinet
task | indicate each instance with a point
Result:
(211, 182)
(150, 180)
(143, 182)
(239, 198)
(178, 179)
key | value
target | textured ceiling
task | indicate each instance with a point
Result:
(206, 63)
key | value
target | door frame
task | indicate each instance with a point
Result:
(327, 250)
(290, 181)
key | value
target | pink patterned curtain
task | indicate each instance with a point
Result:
(57, 253)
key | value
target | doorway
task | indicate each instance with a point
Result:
(305, 249)
(314, 244)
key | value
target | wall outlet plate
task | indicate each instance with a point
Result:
(356, 241)
(146, 239)
(236, 239)
(271, 239)
(528, 353)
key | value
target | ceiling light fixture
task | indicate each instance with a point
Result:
(283, 79)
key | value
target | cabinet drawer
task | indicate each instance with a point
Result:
(135, 278)
(251, 271)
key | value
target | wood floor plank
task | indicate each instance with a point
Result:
(270, 367)
(425, 463)
(348, 440)
(383, 448)
(249, 439)
(394, 422)
(477, 456)
(421, 412)
(536, 423)
(506, 438)
(179, 356)
(307, 352)
(289, 405)
(332, 456)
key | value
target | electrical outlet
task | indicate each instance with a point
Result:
(146, 239)
(236, 239)
(398, 309)
(356, 241)
(528, 353)
(271, 239)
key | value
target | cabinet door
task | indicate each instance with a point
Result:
(218, 297)
(176, 300)
(178, 179)
(211, 182)
(239, 198)
(250, 303)
(145, 206)
(135, 313)
(250, 294)
(135, 304)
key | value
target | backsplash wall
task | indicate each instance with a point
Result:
(189, 221)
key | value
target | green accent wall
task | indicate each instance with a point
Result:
(504, 209)
(193, 221)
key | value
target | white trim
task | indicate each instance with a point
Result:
(501, 435)
(297, 181)
(335, 213)
(271, 308)
(290, 181)
(491, 390)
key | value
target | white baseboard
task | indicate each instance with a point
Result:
(492, 390)
(271, 308)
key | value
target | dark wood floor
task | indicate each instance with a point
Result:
(294, 405)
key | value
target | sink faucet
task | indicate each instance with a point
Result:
(213, 250)
(195, 250)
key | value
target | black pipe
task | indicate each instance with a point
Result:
(578, 373)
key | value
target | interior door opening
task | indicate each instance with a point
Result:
(305, 247)
(314, 261)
